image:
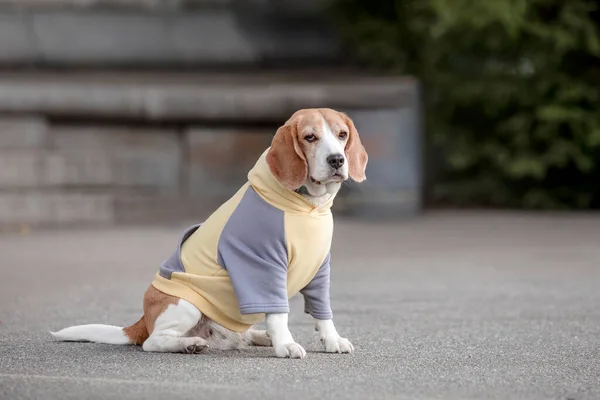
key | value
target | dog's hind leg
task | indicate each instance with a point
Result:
(221, 338)
(258, 338)
(171, 328)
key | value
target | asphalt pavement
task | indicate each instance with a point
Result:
(442, 306)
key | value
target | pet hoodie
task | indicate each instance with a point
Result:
(260, 248)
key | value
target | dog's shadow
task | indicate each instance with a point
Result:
(101, 349)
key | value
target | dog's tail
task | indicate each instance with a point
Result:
(110, 334)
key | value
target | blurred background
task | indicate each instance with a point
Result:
(145, 111)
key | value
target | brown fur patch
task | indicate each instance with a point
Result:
(137, 333)
(355, 153)
(155, 303)
(286, 158)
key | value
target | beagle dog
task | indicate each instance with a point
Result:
(267, 243)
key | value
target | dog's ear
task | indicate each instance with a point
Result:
(285, 157)
(355, 153)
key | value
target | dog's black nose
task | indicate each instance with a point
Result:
(336, 160)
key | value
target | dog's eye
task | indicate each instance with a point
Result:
(310, 138)
(343, 135)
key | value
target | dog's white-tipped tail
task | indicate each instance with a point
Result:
(96, 333)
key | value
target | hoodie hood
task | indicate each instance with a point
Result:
(273, 192)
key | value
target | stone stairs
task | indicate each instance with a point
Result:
(86, 141)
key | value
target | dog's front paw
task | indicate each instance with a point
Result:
(336, 344)
(291, 350)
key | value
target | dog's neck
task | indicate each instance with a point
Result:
(316, 201)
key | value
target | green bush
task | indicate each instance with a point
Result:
(511, 89)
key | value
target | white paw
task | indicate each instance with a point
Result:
(336, 344)
(291, 350)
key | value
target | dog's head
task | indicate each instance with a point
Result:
(318, 149)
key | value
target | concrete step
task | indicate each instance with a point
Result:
(155, 97)
(109, 148)
(278, 5)
(143, 33)
(111, 4)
